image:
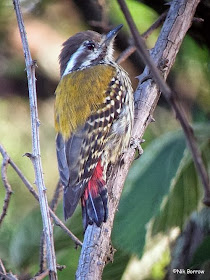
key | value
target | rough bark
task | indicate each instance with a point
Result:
(96, 250)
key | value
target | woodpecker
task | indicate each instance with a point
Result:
(93, 119)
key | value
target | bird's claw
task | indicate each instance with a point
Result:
(135, 143)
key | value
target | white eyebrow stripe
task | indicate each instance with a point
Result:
(89, 58)
(72, 61)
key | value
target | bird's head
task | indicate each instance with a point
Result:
(86, 49)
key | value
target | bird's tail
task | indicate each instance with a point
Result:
(94, 199)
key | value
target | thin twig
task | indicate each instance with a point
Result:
(7, 186)
(198, 20)
(125, 54)
(131, 49)
(2, 268)
(41, 275)
(53, 206)
(46, 272)
(155, 25)
(59, 223)
(30, 68)
(8, 276)
(4, 275)
(169, 96)
(28, 185)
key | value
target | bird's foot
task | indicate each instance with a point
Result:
(135, 143)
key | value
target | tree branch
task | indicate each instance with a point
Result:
(166, 91)
(6, 185)
(53, 206)
(46, 272)
(131, 49)
(4, 275)
(30, 68)
(96, 245)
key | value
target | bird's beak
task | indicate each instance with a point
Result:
(112, 34)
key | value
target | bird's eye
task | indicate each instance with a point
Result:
(90, 46)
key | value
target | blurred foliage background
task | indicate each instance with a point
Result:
(161, 223)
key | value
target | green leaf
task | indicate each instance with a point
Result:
(6, 233)
(69, 257)
(26, 239)
(184, 197)
(148, 181)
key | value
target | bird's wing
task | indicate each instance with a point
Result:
(77, 158)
